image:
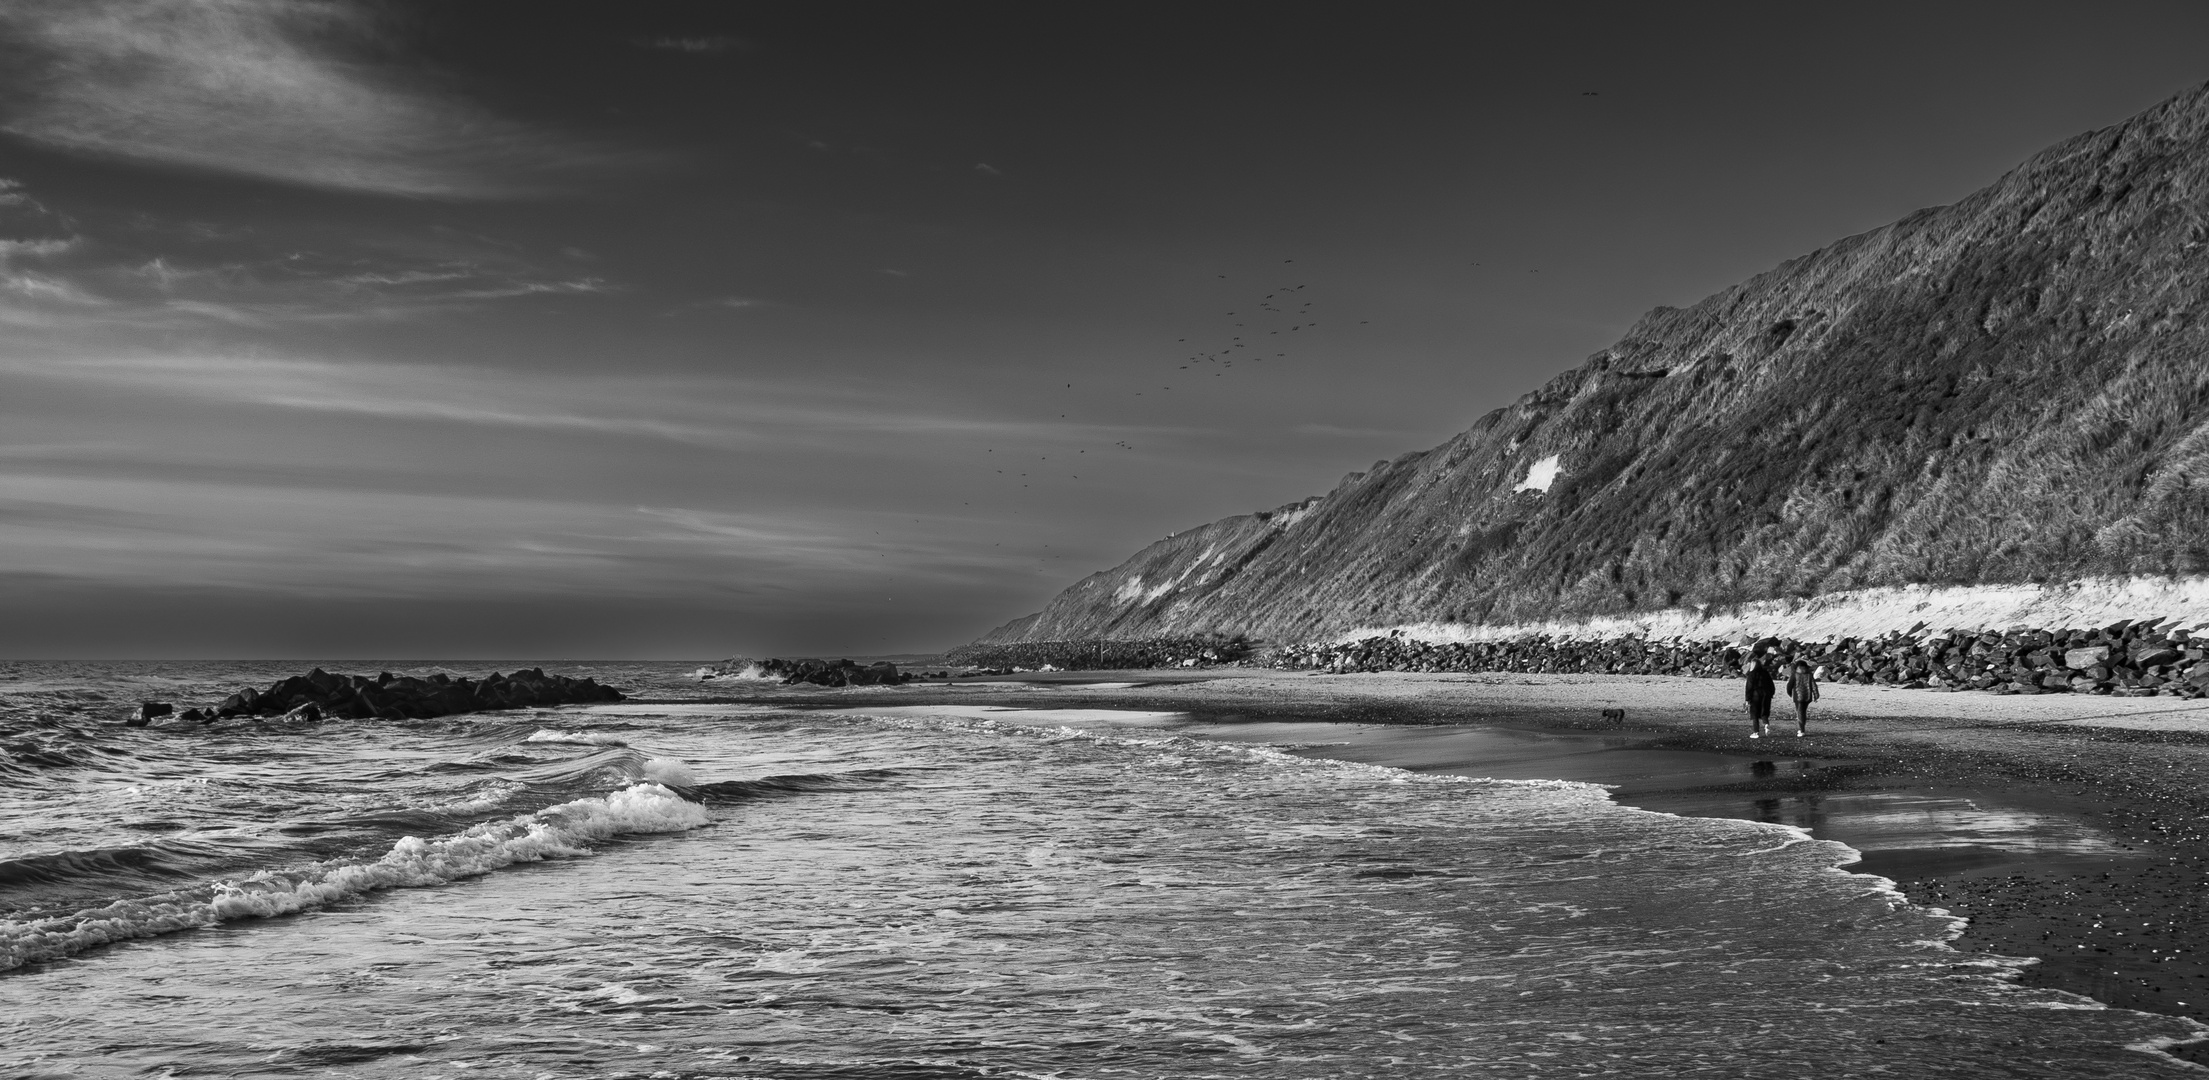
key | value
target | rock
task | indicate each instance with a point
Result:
(149, 711)
(319, 695)
(2082, 659)
(2154, 656)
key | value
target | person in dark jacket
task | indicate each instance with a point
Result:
(1802, 689)
(1760, 697)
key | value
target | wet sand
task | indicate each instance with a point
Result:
(2066, 828)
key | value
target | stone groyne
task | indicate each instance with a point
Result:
(319, 695)
(833, 673)
(2129, 658)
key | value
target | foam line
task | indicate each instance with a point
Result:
(568, 830)
(581, 738)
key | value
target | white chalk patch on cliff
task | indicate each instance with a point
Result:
(2089, 603)
(1284, 520)
(1539, 475)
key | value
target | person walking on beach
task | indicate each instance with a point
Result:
(1802, 689)
(1760, 697)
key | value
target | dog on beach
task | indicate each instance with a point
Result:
(1614, 716)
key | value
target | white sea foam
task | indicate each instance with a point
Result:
(565, 831)
(490, 798)
(670, 772)
(582, 738)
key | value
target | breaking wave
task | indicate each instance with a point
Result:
(569, 830)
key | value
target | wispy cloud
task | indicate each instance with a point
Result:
(725, 414)
(145, 274)
(305, 541)
(31, 238)
(392, 391)
(277, 89)
(535, 288)
(695, 45)
(1335, 431)
(36, 286)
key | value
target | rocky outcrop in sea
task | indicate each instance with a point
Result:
(834, 673)
(320, 695)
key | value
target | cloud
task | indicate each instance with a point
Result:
(37, 287)
(153, 276)
(257, 87)
(1335, 431)
(695, 45)
(534, 288)
(306, 541)
(713, 414)
(390, 391)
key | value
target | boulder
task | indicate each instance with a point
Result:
(2081, 659)
(2148, 656)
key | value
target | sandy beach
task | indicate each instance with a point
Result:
(2065, 827)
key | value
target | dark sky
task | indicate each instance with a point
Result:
(607, 330)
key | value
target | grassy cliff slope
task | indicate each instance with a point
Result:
(2012, 389)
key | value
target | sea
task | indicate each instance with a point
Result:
(679, 887)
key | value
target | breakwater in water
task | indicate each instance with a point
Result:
(836, 673)
(2131, 658)
(320, 694)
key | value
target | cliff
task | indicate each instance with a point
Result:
(2010, 390)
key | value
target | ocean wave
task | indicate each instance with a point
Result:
(568, 830)
(792, 783)
(669, 772)
(584, 738)
(75, 866)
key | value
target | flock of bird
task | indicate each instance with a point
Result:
(1262, 331)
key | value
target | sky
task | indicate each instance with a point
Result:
(690, 330)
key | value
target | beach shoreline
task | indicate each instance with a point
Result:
(2086, 810)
